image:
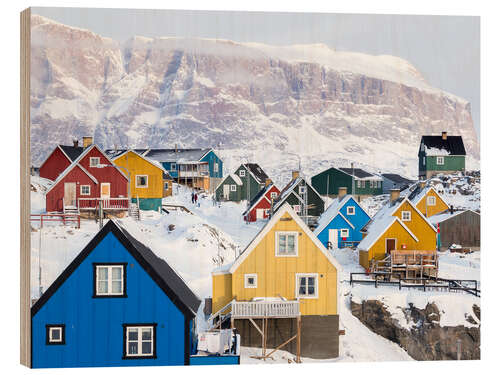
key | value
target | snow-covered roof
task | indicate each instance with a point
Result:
(332, 211)
(257, 172)
(360, 174)
(452, 145)
(179, 155)
(236, 179)
(260, 195)
(439, 218)
(418, 193)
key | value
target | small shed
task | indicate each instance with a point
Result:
(459, 227)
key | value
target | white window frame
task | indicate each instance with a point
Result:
(248, 276)
(61, 339)
(216, 167)
(351, 210)
(363, 184)
(232, 187)
(140, 341)
(81, 189)
(242, 173)
(109, 280)
(431, 200)
(359, 183)
(298, 276)
(296, 208)
(273, 195)
(277, 243)
(408, 218)
(302, 189)
(173, 166)
(424, 160)
(439, 160)
(345, 231)
(371, 184)
(142, 186)
(92, 163)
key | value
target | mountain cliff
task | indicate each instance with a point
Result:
(275, 105)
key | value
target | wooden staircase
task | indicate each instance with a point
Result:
(134, 211)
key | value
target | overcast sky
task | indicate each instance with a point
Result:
(445, 49)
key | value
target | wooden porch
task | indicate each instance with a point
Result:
(407, 264)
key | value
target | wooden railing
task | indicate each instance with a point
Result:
(61, 218)
(107, 203)
(256, 309)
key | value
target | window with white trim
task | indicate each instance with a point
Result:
(371, 184)
(84, 189)
(95, 161)
(109, 280)
(296, 208)
(439, 160)
(351, 210)
(344, 233)
(363, 184)
(359, 183)
(233, 187)
(173, 167)
(302, 189)
(287, 244)
(242, 173)
(216, 167)
(55, 334)
(139, 341)
(141, 181)
(306, 285)
(274, 195)
(431, 200)
(251, 280)
(406, 215)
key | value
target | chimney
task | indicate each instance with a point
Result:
(444, 136)
(268, 182)
(342, 192)
(394, 195)
(421, 184)
(87, 141)
(75, 142)
(295, 174)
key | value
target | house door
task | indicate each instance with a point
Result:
(70, 194)
(105, 190)
(226, 192)
(333, 238)
(260, 213)
(390, 244)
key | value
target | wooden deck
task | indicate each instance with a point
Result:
(408, 264)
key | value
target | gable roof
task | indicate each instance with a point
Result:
(453, 144)
(164, 276)
(115, 153)
(258, 173)
(396, 178)
(71, 152)
(270, 224)
(182, 155)
(261, 194)
(444, 216)
(333, 210)
(379, 228)
(66, 171)
(154, 163)
(418, 193)
(289, 189)
(359, 173)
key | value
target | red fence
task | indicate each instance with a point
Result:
(107, 204)
(61, 218)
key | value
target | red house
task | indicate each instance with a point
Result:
(91, 178)
(60, 159)
(260, 206)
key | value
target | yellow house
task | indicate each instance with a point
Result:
(428, 201)
(285, 263)
(147, 178)
(398, 225)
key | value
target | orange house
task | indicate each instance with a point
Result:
(428, 200)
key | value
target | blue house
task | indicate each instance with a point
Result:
(195, 167)
(340, 225)
(116, 304)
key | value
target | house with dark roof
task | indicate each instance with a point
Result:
(359, 183)
(394, 181)
(440, 154)
(302, 197)
(195, 167)
(260, 206)
(115, 304)
(59, 159)
(244, 184)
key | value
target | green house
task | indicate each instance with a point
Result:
(359, 183)
(244, 184)
(302, 197)
(440, 154)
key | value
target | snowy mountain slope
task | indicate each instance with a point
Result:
(246, 99)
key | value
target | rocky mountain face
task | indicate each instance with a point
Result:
(278, 106)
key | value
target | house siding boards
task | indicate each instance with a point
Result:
(54, 165)
(264, 203)
(234, 196)
(317, 205)
(329, 181)
(212, 158)
(463, 229)
(250, 187)
(429, 211)
(94, 326)
(451, 149)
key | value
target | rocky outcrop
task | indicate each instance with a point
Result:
(426, 339)
(308, 99)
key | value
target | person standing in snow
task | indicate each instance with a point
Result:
(195, 198)
(192, 197)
